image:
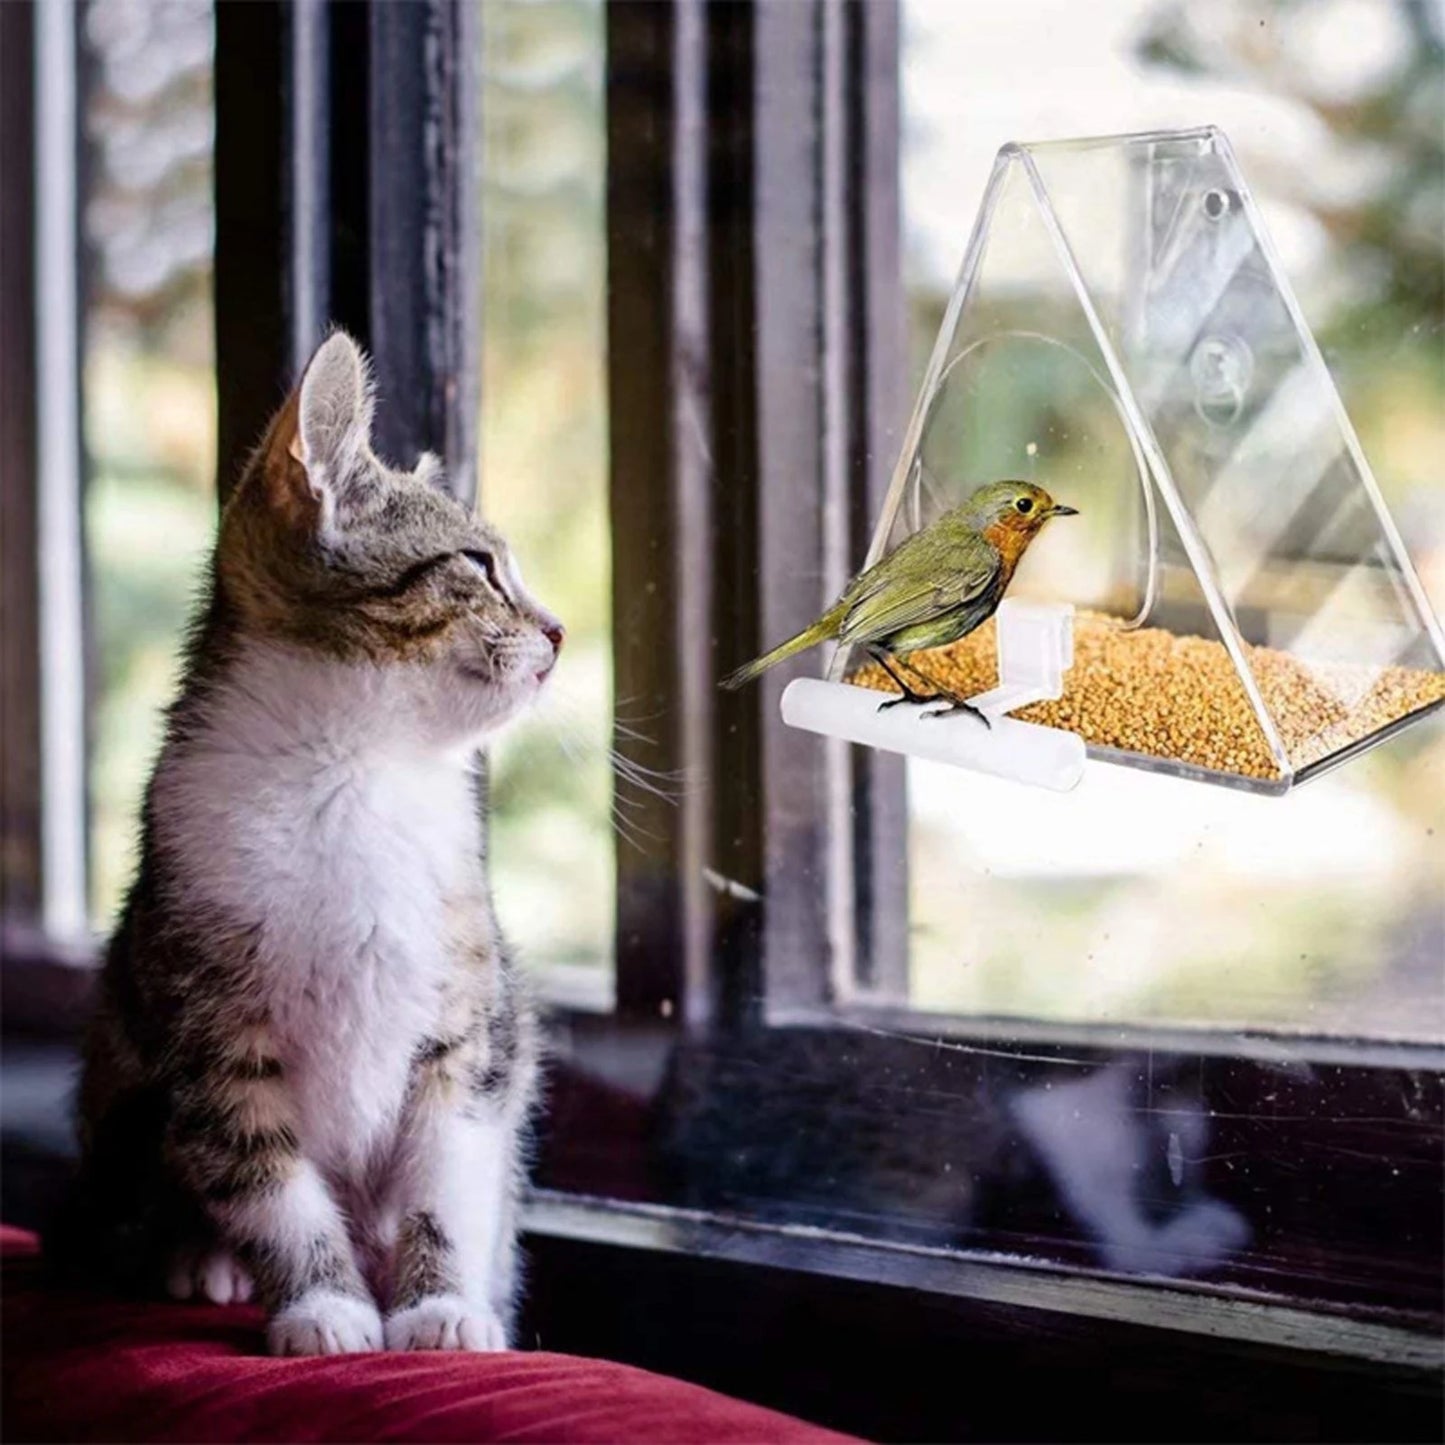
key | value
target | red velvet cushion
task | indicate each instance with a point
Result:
(84, 1368)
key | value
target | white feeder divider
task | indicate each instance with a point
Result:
(1035, 650)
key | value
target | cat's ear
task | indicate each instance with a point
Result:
(334, 420)
(311, 450)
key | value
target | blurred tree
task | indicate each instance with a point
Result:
(1372, 73)
(149, 128)
(148, 394)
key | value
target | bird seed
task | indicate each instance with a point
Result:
(1152, 692)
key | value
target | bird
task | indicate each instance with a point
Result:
(936, 586)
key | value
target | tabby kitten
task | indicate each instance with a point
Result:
(313, 1060)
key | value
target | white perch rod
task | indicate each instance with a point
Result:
(1025, 752)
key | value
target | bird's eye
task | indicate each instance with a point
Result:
(1025, 504)
(486, 564)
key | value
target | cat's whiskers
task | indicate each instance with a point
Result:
(566, 725)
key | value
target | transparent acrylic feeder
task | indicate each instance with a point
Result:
(1241, 606)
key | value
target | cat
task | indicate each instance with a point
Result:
(313, 1061)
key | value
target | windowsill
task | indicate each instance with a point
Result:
(1282, 1046)
(1228, 1314)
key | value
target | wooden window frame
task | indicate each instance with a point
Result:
(43, 798)
(21, 797)
(753, 232)
(346, 194)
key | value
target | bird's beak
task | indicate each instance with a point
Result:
(1060, 511)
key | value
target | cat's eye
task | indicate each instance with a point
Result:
(1025, 504)
(486, 564)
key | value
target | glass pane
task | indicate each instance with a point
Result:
(148, 387)
(1146, 899)
(544, 477)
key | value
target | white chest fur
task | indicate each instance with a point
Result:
(307, 817)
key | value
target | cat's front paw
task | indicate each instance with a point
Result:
(444, 1322)
(325, 1323)
(215, 1275)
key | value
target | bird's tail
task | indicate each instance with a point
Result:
(824, 628)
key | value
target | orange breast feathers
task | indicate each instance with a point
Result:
(1010, 536)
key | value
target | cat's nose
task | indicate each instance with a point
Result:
(554, 632)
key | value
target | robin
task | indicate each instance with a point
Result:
(933, 588)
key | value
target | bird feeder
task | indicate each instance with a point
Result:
(1241, 608)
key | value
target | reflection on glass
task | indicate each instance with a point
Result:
(148, 387)
(1098, 1148)
(1143, 898)
(544, 461)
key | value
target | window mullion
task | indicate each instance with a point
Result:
(801, 446)
(346, 193)
(253, 342)
(60, 577)
(20, 715)
(308, 169)
(425, 246)
(878, 398)
(660, 405)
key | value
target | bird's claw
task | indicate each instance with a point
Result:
(950, 706)
(917, 699)
(957, 705)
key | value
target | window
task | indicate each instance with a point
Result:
(661, 277)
